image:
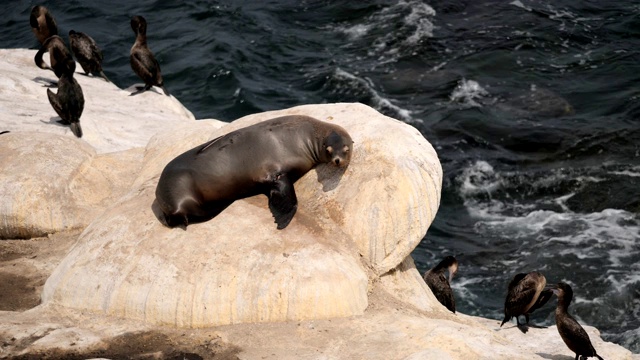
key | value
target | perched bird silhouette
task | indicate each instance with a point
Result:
(87, 53)
(143, 63)
(69, 101)
(573, 335)
(526, 293)
(440, 285)
(58, 55)
(42, 23)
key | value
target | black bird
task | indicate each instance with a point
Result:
(573, 335)
(525, 294)
(58, 55)
(42, 23)
(87, 53)
(143, 63)
(69, 101)
(439, 284)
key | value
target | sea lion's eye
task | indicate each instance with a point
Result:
(329, 150)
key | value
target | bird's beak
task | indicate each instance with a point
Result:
(453, 269)
(553, 288)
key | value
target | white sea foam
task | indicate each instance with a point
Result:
(479, 178)
(378, 102)
(462, 286)
(519, 4)
(632, 172)
(356, 31)
(610, 234)
(419, 18)
(467, 92)
(415, 17)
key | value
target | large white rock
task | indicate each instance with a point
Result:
(391, 191)
(53, 182)
(238, 267)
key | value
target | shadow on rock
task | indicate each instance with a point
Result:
(145, 345)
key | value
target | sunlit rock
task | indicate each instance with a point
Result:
(237, 267)
(53, 183)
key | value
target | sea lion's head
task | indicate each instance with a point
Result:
(338, 149)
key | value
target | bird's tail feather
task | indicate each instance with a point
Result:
(104, 76)
(76, 129)
(506, 318)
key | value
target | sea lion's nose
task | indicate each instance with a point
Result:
(337, 161)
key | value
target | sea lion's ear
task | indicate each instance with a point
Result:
(330, 149)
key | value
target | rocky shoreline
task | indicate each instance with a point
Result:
(97, 276)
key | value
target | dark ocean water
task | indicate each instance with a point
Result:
(533, 107)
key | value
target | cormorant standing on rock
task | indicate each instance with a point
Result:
(87, 52)
(525, 294)
(143, 63)
(58, 55)
(572, 333)
(69, 101)
(439, 284)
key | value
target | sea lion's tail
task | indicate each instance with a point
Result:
(76, 129)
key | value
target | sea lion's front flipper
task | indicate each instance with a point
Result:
(282, 200)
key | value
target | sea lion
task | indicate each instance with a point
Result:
(439, 284)
(58, 55)
(572, 333)
(143, 63)
(69, 101)
(526, 293)
(87, 53)
(42, 23)
(264, 158)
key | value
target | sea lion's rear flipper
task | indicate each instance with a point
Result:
(282, 200)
